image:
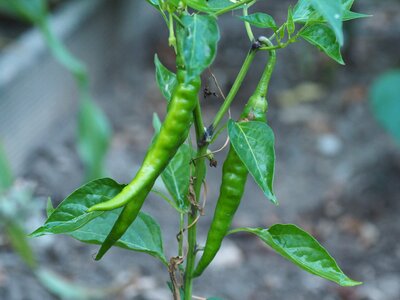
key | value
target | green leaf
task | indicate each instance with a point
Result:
(20, 243)
(144, 234)
(166, 80)
(350, 15)
(254, 144)
(332, 11)
(303, 250)
(384, 99)
(31, 10)
(260, 20)
(94, 134)
(176, 176)
(65, 289)
(304, 12)
(210, 6)
(291, 27)
(324, 38)
(72, 213)
(197, 43)
(49, 207)
(6, 177)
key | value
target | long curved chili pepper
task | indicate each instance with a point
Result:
(234, 174)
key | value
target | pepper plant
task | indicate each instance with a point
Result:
(107, 213)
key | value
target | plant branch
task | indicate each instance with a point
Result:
(232, 7)
(199, 174)
(236, 85)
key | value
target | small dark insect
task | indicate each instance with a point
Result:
(208, 93)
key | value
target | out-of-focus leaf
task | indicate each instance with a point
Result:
(166, 80)
(322, 36)
(303, 250)
(94, 135)
(254, 144)
(6, 177)
(31, 10)
(20, 243)
(67, 290)
(72, 213)
(197, 43)
(384, 99)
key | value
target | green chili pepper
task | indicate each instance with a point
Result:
(172, 135)
(234, 174)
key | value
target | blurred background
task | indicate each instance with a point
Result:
(337, 134)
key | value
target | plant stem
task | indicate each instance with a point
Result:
(199, 174)
(247, 24)
(232, 7)
(236, 85)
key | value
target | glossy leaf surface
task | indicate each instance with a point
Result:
(303, 250)
(332, 12)
(197, 43)
(322, 36)
(260, 20)
(254, 144)
(209, 6)
(144, 234)
(166, 80)
(72, 213)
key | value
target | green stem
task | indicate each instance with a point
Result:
(232, 7)
(181, 226)
(199, 175)
(247, 24)
(236, 85)
(262, 86)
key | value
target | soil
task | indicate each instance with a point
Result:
(337, 172)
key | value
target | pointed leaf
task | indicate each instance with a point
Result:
(332, 12)
(19, 241)
(49, 207)
(166, 80)
(324, 38)
(197, 43)
(303, 250)
(254, 144)
(144, 234)
(384, 99)
(350, 15)
(72, 213)
(291, 27)
(260, 20)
